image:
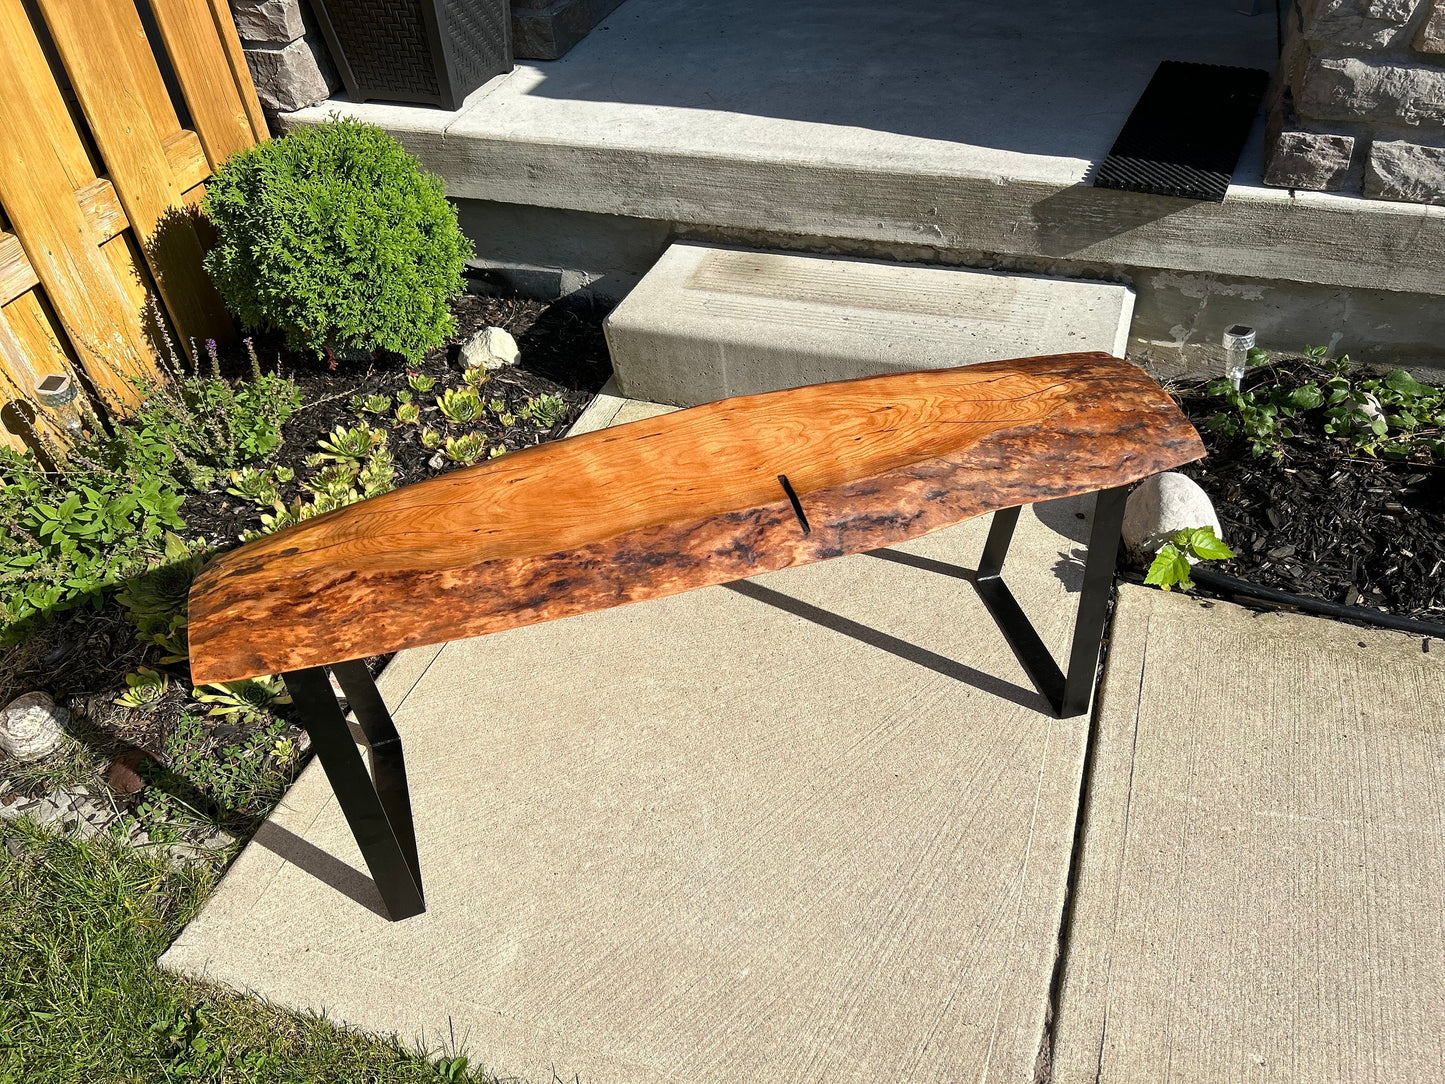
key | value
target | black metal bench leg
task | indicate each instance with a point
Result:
(1069, 694)
(376, 804)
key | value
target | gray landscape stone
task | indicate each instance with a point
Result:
(31, 726)
(1431, 36)
(275, 21)
(490, 348)
(1362, 24)
(546, 29)
(287, 77)
(709, 322)
(1404, 171)
(1161, 505)
(1349, 88)
(1317, 161)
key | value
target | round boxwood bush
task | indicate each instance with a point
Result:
(334, 235)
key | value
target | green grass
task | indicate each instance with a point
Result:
(81, 999)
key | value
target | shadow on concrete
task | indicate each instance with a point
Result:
(1004, 690)
(330, 871)
(1044, 77)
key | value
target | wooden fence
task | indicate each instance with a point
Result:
(99, 177)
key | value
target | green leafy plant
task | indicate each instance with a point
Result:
(461, 406)
(420, 382)
(376, 404)
(1172, 566)
(431, 440)
(74, 531)
(192, 426)
(475, 376)
(333, 235)
(466, 449)
(1391, 415)
(251, 697)
(145, 688)
(408, 414)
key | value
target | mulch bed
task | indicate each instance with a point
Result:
(1324, 522)
(81, 657)
(563, 353)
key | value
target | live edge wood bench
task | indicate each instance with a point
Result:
(702, 496)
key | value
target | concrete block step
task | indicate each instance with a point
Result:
(709, 322)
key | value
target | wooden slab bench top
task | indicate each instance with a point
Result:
(703, 496)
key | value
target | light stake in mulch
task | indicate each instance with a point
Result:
(1238, 342)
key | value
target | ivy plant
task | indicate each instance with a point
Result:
(1172, 568)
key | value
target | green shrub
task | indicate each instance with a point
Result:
(334, 235)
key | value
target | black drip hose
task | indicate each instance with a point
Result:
(1234, 586)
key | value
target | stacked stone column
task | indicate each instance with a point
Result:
(1360, 105)
(285, 52)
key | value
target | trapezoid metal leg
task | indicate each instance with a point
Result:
(376, 804)
(1069, 695)
(1094, 601)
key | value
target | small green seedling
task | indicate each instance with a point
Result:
(1171, 565)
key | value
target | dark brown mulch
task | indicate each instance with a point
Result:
(563, 353)
(81, 656)
(1325, 523)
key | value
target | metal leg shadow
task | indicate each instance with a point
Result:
(376, 804)
(1067, 695)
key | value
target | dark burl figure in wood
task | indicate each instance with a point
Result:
(696, 497)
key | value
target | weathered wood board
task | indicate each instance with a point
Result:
(685, 500)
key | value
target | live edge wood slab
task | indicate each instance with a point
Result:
(703, 496)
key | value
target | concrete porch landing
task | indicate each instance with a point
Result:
(957, 130)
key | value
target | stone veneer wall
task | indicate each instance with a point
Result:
(285, 52)
(1360, 103)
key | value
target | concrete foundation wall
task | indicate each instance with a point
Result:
(1178, 316)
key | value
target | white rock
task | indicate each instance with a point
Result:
(1367, 412)
(31, 726)
(491, 348)
(1160, 506)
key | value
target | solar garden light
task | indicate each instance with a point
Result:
(1238, 342)
(57, 390)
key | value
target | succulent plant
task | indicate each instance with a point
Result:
(250, 697)
(476, 377)
(354, 444)
(408, 414)
(376, 404)
(144, 689)
(466, 449)
(546, 410)
(421, 383)
(154, 597)
(461, 406)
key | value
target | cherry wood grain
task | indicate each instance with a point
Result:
(685, 500)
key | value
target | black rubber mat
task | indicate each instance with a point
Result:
(1185, 135)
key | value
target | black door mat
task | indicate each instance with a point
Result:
(1185, 135)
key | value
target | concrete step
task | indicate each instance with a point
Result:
(709, 322)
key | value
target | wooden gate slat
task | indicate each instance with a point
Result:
(38, 176)
(104, 48)
(198, 56)
(240, 74)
